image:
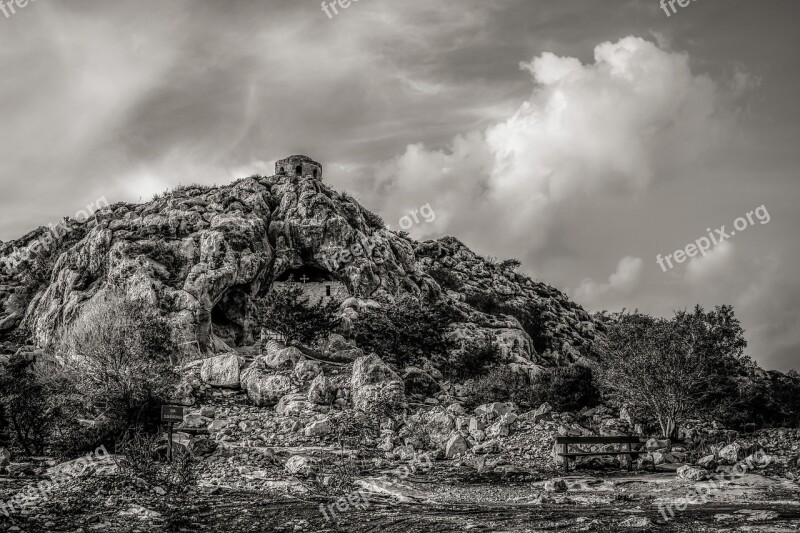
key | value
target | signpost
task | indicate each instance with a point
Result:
(171, 414)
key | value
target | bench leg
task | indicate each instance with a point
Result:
(630, 462)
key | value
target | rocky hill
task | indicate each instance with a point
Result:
(202, 255)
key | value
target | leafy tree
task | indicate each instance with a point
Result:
(287, 311)
(113, 368)
(672, 369)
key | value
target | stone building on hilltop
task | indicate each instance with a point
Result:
(299, 165)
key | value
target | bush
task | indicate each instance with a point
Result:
(500, 384)
(445, 278)
(473, 360)
(24, 406)
(405, 333)
(287, 311)
(334, 477)
(144, 458)
(566, 388)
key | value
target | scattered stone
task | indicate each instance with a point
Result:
(692, 473)
(544, 412)
(636, 522)
(301, 466)
(555, 485)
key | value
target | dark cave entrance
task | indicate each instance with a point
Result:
(231, 317)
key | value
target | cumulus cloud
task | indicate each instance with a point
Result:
(622, 282)
(587, 131)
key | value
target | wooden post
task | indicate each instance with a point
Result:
(170, 442)
(564, 450)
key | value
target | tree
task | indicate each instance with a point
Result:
(405, 333)
(23, 404)
(672, 369)
(287, 311)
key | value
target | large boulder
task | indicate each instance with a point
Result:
(5, 457)
(417, 381)
(371, 380)
(267, 390)
(221, 371)
(322, 391)
(370, 395)
(284, 358)
(736, 451)
(544, 412)
(305, 370)
(456, 445)
(370, 370)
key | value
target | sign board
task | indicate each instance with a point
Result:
(171, 413)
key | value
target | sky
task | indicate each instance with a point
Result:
(582, 137)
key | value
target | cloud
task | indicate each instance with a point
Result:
(587, 132)
(622, 282)
(716, 264)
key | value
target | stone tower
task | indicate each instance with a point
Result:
(299, 165)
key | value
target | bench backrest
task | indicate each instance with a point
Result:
(598, 440)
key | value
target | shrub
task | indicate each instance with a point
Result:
(500, 384)
(445, 278)
(473, 360)
(373, 220)
(510, 264)
(144, 458)
(287, 311)
(334, 477)
(404, 333)
(24, 406)
(566, 388)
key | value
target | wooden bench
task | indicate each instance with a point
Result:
(565, 442)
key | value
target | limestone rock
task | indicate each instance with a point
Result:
(283, 359)
(306, 370)
(492, 411)
(322, 391)
(456, 445)
(293, 405)
(555, 485)
(417, 381)
(692, 473)
(5, 457)
(319, 428)
(300, 466)
(267, 390)
(544, 412)
(221, 371)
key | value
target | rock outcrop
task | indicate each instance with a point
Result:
(202, 256)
